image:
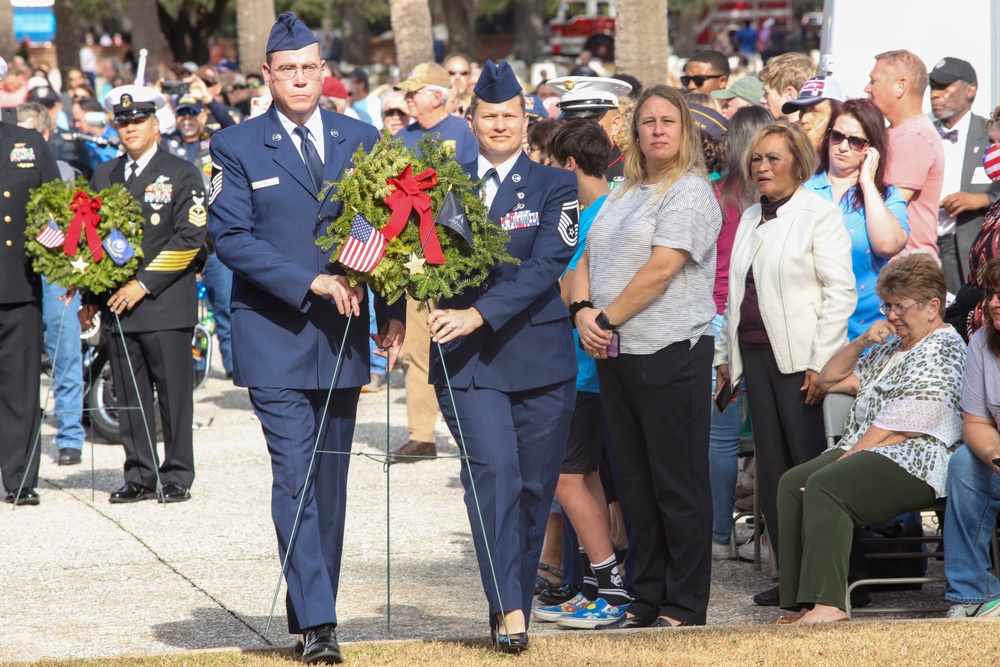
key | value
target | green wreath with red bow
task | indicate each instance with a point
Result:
(401, 196)
(79, 238)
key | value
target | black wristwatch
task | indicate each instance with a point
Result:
(602, 321)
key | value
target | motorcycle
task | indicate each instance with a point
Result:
(100, 402)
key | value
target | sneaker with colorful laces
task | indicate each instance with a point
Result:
(594, 615)
(551, 613)
(980, 610)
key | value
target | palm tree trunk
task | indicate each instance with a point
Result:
(411, 28)
(254, 19)
(641, 44)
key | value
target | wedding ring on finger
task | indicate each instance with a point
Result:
(452, 326)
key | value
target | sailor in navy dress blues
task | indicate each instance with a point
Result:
(25, 163)
(158, 307)
(290, 313)
(509, 357)
(596, 98)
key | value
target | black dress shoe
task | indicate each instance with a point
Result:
(69, 456)
(630, 622)
(131, 493)
(320, 646)
(769, 598)
(514, 643)
(175, 493)
(27, 497)
(664, 623)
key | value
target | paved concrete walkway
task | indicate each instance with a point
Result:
(80, 577)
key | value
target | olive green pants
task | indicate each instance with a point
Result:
(816, 525)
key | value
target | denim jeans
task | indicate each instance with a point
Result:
(378, 364)
(218, 279)
(970, 519)
(723, 453)
(62, 344)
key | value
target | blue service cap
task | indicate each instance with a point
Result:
(289, 34)
(497, 83)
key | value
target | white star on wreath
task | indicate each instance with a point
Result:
(415, 265)
(79, 266)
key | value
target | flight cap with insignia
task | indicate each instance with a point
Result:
(497, 83)
(289, 34)
(133, 102)
(948, 70)
(587, 96)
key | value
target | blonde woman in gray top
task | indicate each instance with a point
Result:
(642, 301)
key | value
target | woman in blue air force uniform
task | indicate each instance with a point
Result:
(508, 353)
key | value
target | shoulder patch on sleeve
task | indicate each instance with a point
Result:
(569, 222)
(215, 186)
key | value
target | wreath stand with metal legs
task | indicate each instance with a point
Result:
(150, 437)
(386, 466)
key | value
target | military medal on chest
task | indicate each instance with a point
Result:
(159, 192)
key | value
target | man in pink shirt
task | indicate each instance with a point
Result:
(916, 160)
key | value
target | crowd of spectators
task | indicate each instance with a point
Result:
(827, 245)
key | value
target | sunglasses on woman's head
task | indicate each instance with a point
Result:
(855, 143)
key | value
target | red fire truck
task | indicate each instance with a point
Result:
(590, 24)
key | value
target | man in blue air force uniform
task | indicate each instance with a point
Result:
(510, 357)
(290, 309)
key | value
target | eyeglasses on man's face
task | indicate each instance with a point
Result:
(287, 72)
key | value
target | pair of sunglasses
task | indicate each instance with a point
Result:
(699, 79)
(395, 112)
(855, 143)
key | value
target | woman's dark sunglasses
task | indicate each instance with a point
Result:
(856, 143)
(699, 79)
(395, 112)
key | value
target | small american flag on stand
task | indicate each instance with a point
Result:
(51, 236)
(364, 246)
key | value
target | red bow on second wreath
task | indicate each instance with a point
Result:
(408, 196)
(85, 217)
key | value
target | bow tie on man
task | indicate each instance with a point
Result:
(946, 134)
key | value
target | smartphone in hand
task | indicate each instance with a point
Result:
(612, 350)
(724, 398)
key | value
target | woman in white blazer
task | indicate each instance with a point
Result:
(791, 292)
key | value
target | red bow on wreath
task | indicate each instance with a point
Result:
(408, 196)
(85, 217)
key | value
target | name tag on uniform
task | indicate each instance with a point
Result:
(266, 183)
(519, 220)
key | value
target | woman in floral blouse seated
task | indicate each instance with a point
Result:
(893, 457)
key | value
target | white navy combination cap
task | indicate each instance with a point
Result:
(587, 96)
(133, 102)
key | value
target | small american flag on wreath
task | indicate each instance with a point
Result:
(364, 246)
(51, 236)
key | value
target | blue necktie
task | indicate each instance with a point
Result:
(310, 156)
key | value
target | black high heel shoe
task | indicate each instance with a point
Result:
(514, 643)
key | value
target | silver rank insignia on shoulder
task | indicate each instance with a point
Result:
(197, 215)
(516, 178)
(276, 137)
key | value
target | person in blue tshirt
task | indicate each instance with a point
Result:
(851, 173)
(427, 91)
(582, 147)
